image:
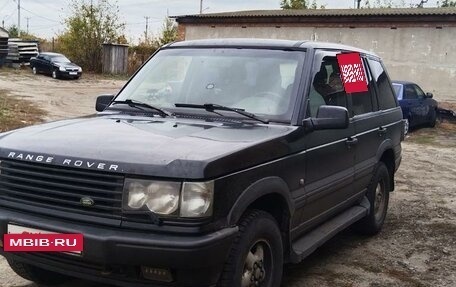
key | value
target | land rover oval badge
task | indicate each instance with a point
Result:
(87, 201)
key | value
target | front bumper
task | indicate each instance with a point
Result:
(114, 255)
(67, 74)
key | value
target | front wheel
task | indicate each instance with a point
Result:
(34, 70)
(433, 118)
(256, 257)
(54, 74)
(378, 196)
(37, 275)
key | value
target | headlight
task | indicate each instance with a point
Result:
(196, 199)
(62, 69)
(160, 197)
(79, 69)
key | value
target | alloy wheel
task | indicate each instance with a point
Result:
(379, 201)
(257, 265)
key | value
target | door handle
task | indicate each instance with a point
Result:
(382, 131)
(351, 142)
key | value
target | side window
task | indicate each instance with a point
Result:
(410, 93)
(419, 92)
(327, 87)
(362, 102)
(386, 98)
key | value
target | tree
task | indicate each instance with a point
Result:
(294, 4)
(300, 4)
(13, 31)
(168, 33)
(383, 4)
(87, 28)
(447, 3)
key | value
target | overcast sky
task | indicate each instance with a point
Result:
(46, 16)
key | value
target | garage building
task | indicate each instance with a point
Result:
(417, 44)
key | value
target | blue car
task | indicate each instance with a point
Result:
(417, 106)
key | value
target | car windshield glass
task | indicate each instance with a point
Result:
(259, 81)
(60, 59)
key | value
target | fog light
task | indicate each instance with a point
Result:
(157, 274)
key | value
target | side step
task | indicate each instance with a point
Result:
(307, 244)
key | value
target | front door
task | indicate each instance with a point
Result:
(329, 153)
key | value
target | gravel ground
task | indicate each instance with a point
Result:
(417, 246)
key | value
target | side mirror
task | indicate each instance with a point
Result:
(429, 95)
(328, 117)
(103, 102)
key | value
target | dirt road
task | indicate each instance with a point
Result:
(416, 248)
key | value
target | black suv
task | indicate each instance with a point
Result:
(218, 162)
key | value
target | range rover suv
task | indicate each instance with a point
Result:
(218, 162)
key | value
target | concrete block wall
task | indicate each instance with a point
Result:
(425, 55)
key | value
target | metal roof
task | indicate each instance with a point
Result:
(328, 13)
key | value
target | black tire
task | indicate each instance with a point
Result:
(258, 231)
(378, 196)
(433, 118)
(37, 275)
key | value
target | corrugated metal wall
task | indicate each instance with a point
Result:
(115, 59)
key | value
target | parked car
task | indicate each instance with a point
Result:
(56, 65)
(418, 108)
(218, 162)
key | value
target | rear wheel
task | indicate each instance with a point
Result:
(37, 275)
(378, 196)
(256, 257)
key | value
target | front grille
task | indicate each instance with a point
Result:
(71, 69)
(61, 188)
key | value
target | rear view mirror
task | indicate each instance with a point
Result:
(429, 95)
(328, 117)
(103, 102)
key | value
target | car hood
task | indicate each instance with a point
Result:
(174, 148)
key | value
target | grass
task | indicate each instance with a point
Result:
(16, 113)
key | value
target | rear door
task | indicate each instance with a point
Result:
(370, 130)
(47, 67)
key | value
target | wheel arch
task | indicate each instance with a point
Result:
(272, 195)
(266, 188)
(386, 155)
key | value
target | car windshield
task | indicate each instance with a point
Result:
(259, 81)
(60, 59)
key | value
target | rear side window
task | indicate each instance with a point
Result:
(362, 102)
(386, 98)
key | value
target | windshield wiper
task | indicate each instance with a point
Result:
(138, 104)
(213, 107)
